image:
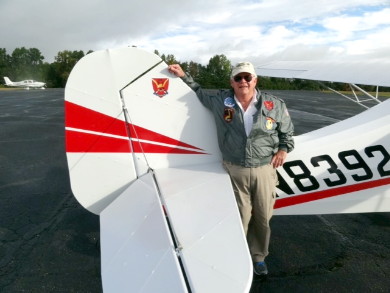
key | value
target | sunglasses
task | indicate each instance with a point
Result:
(247, 78)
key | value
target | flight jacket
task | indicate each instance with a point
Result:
(272, 128)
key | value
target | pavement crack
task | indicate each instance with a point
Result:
(335, 230)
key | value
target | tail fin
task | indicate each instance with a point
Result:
(136, 117)
(8, 81)
(142, 153)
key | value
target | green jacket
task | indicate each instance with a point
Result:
(272, 127)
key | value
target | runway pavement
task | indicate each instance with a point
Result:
(49, 243)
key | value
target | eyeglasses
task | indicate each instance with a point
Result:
(247, 78)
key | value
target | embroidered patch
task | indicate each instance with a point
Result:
(160, 86)
(229, 102)
(228, 114)
(269, 105)
(270, 123)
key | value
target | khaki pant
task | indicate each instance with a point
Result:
(254, 189)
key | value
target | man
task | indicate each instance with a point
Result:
(254, 135)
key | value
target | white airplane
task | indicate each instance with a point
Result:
(142, 153)
(27, 84)
(344, 167)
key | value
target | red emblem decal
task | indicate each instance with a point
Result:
(160, 86)
(269, 105)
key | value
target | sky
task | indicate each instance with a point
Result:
(242, 30)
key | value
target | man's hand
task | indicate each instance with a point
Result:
(176, 70)
(278, 159)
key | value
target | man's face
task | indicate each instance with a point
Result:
(243, 83)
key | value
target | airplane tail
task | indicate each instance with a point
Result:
(142, 153)
(137, 118)
(8, 81)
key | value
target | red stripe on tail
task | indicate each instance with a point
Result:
(84, 119)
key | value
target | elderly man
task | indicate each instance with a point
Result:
(254, 135)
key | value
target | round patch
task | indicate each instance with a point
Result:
(269, 124)
(229, 102)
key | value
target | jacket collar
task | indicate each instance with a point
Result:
(259, 97)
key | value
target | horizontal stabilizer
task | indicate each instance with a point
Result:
(137, 252)
(204, 216)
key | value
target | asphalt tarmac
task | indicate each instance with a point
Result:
(50, 243)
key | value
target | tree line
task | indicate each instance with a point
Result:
(29, 63)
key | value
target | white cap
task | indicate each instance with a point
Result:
(243, 67)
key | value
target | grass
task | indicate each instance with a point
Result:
(7, 88)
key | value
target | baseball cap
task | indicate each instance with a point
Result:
(243, 67)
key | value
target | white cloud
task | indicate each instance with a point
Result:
(198, 30)
(347, 25)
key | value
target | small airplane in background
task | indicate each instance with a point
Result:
(27, 84)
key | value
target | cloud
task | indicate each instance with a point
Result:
(199, 30)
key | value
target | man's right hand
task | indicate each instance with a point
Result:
(176, 70)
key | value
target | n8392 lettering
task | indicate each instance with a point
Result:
(352, 166)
